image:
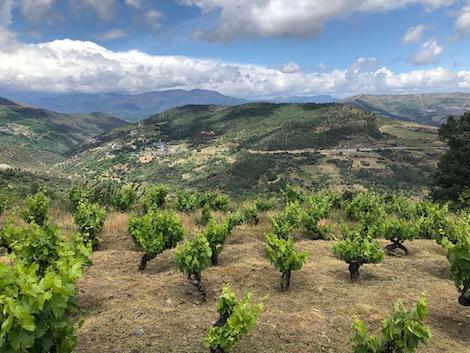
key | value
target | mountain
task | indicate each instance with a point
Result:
(37, 138)
(304, 99)
(129, 107)
(260, 146)
(431, 109)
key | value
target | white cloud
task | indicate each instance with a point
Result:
(428, 53)
(6, 36)
(34, 10)
(241, 19)
(112, 34)
(462, 25)
(290, 68)
(103, 8)
(414, 34)
(66, 65)
(153, 20)
(134, 3)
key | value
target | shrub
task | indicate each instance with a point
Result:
(368, 209)
(155, 197)
(90, 220)
(432, 221)
(37, 209)
(401, 333)
(233, 220)
(398, 231)
(216, 201)
(123, 198)
(34, 244)
(318, 208)
(187, 202)
(357, 249)
(282, 254)
(291, 219)
(192, 258)
(459, 260)
(206, 216)
(401, 206)
(292, 194)
(236, 319)
(154, 233)
(79, 193)
(264, 205)
(250, 214)
(35, 309)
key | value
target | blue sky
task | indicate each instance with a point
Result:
(239, 47)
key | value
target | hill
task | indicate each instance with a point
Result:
(37, 138)
(260, 146)
(126, 106)
(431, 109)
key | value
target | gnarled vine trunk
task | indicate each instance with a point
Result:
(354, 269)
(143, 261)
(285, 282)
(214, 258)
(195, 279)
(219, 323)
(396, 244)
(463, 300)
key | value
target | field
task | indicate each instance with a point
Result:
(159, 311)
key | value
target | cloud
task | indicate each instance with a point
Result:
(462, 25)
(112, 34)
(66, 65)
(153, 20)
(134, 3)
(414, 34)
(6, 36)
(103, 8)
(35, 10)
(428, 53)
(246, 19)
(290, 68)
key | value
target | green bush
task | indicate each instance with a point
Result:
(401, 206)
(264, 205)
(402, 333)
(90, 220)
(34, 244)
(206, 216)
(432, 221)
(123, 198)
(37, 209)
(292, 194)
(216, 201)
(284, 223)
(283, 256)
(357, 249)
(154, 233)
(35, 308)
(155, 197)
(397, 231)
(459, 260)
(188, 202)
(192, 258)
(368, 209)
(250, 215)
(80, 193)
(236, 319)
(318, 208)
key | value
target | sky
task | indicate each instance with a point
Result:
(242, 48)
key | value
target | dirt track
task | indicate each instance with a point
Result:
(347, 150)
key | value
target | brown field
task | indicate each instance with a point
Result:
(315, 316)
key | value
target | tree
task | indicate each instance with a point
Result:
(235, 321)
(282, 254)
(402, 333)
(398, 231)
(453, 171)
(357, 249)
(154, 233)
(192, 258)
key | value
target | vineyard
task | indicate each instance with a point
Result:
(146, 268)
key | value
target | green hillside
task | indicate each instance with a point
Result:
(36, 138)
(261, 146)
(431, 109)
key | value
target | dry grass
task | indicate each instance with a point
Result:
(315, 316)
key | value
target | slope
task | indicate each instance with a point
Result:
(261, 146)
(36, 138)
(431, 109)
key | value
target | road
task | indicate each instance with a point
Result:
(349, 150)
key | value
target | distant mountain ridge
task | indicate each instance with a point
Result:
(430, 109)
(132, 107)
(37, 138)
